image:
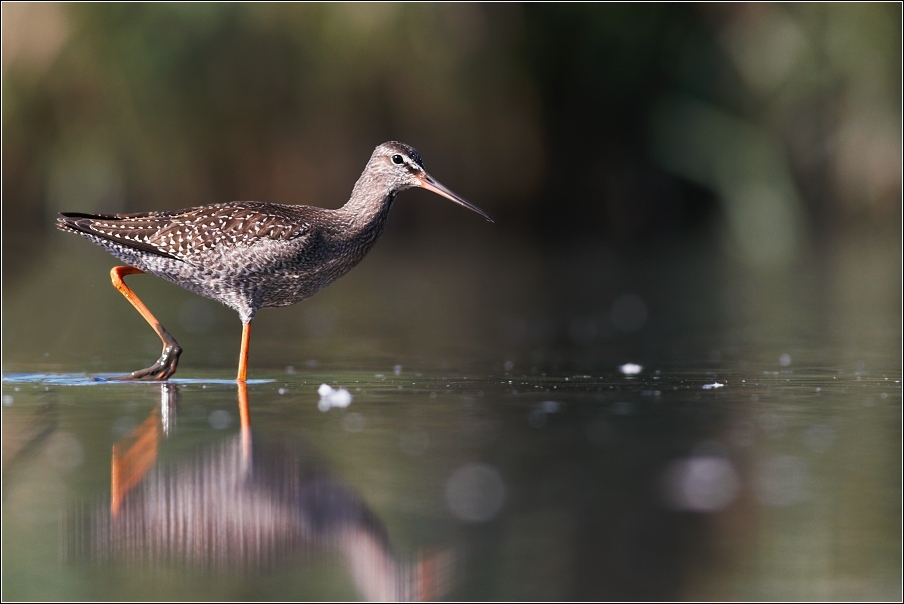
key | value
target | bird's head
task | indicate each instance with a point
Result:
(403, 166)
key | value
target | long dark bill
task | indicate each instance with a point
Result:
(427, 182)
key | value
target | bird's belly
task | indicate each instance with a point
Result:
(275, 280)
(303, 272)
(230, 279)
(293, 286)
(248, 278)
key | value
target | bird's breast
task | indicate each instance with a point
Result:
(295, 273)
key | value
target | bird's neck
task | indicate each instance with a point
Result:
(367, 209)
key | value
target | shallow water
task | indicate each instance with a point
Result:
(494, 446)
(767, 480)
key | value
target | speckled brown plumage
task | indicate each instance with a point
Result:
(251, 255)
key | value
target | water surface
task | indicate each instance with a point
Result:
(743, 480)
(496, 444)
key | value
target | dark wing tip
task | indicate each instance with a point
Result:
(68, 221)
(72, 221)
(77, 222)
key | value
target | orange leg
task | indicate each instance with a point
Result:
(135, 453)
(165, 366)
(243, 355)
(133, 456)
(245, 418)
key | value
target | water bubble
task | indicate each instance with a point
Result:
(219, 419)
(7, 400)
(397, 370)
(283, 390)
(631, 368)
(341, 398)
(333, 397)
(784, 360)
(475, 493)
(290, 369)
(508, 365)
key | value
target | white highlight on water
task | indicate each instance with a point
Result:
(333, 397)
(631, 368)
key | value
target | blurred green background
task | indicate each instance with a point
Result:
(691, 141)
(637, 125)
(710, 190)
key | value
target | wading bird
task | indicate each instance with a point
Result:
(251, 255)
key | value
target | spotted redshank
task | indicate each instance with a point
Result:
(251, 255)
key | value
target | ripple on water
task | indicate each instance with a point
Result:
(83, 379)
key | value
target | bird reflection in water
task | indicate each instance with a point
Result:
(241, 505)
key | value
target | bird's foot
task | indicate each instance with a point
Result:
(160, 371)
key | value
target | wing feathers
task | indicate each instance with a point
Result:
(184, 233)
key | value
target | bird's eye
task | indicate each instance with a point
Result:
(397, 159)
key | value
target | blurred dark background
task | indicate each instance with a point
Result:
(704, 141)
(639, 125)
(710, 191)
